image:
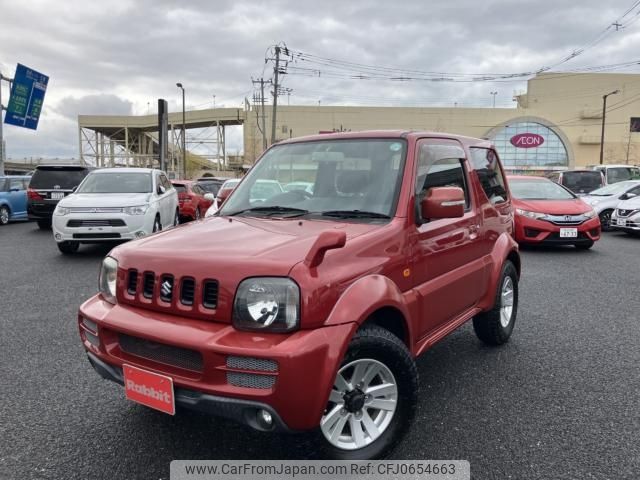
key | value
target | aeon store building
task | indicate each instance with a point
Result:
(556, 124)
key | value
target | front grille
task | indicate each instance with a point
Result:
(95, 210)
(132, 282)
(147, 286)
(165, 288)
(161, 353)
(250, 363)
(188, 291)
(250, 380)
(210, 294)
(624, 213)
(114, 222)
(566, 219)
(90, 236)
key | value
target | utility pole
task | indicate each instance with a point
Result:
(184, 136)
(2, 152)
(276, 71)
(604, 114)
(493, 94)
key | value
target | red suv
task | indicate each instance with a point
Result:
(306, 311)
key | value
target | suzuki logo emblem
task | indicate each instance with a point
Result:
(166, 288)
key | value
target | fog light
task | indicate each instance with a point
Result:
(58, 236)
(140, 234)
(265, 418)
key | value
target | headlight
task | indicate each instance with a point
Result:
(268, 303)
(526, 213)
(591, 214)
(137, 210)
(107, 280)
(60, 210)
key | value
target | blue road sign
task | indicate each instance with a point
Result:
(27, 96)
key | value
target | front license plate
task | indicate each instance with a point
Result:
(57, 195)
(150, 389)
(621, 222)
(568, 233)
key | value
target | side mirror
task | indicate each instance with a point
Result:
(210, 196)
(443, 202)
(161, 190)
(627, 196)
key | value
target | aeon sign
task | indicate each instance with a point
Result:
(527, 140)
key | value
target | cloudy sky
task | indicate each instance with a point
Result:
(118, 57)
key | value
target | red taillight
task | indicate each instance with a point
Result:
(33, 195)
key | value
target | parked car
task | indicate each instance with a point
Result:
(580, 182)
(192, 200)
(605, 200)
(308, 312)
(13, 198)
(50, 184)
(626, 217)
(225, 190)
(304, 186)
(549, 214)
(115, 204)
(617, 173)
(211, 184)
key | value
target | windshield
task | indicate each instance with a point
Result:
(583, 182)
(57, 178)
(538, 189)
(359, 175)
(123, 182)
(613, 189)
(179, 188)
(210, 187)
(619, 174)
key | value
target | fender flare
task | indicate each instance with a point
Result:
(367, 295)
(504, 249)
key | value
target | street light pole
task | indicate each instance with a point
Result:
(184, 134)
(493, 94)
(604, 114)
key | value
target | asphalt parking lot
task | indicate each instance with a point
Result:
(560, 401)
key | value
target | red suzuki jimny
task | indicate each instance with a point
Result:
(304, 307)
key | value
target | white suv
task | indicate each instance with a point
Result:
(115, 204)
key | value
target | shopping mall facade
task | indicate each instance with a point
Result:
(556, 124)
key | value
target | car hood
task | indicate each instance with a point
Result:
(263, 246)
(573, 206)
(105, 200)
(631, 204)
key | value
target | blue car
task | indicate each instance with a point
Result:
(13, 198)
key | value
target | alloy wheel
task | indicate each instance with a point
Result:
(4, 216)
(361, 405)
(506, 302)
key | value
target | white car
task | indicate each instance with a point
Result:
(626, 217)
(617, 173)
(605, 200)
(115, 204)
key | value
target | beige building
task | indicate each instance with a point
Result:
(556, 123)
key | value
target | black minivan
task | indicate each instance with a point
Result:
(50, 184)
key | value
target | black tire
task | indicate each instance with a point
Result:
(605, 220)
(584, 246)
(68, 247)
(44, 224)
(157, 226)
(488, 325)
(373, 342)
(176, 219)
(4, 215)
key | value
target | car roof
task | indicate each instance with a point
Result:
(613, 165)
(380, 134)
(65, 166)
(213, 179)
(127, 170)
(526, 177)
(182, 182)
(15, 176)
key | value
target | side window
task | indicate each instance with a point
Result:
(165, 182)
(485, 162)
(16, 183)
(635, 191)
(441, 166)
(197, 190)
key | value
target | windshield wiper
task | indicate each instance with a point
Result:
(273, 210)
(353, 214)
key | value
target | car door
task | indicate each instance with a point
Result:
(17, 197)
(448, 270)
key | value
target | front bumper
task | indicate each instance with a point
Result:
(631, 223)
(296, 393)
(541, 232)
(135, 226)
